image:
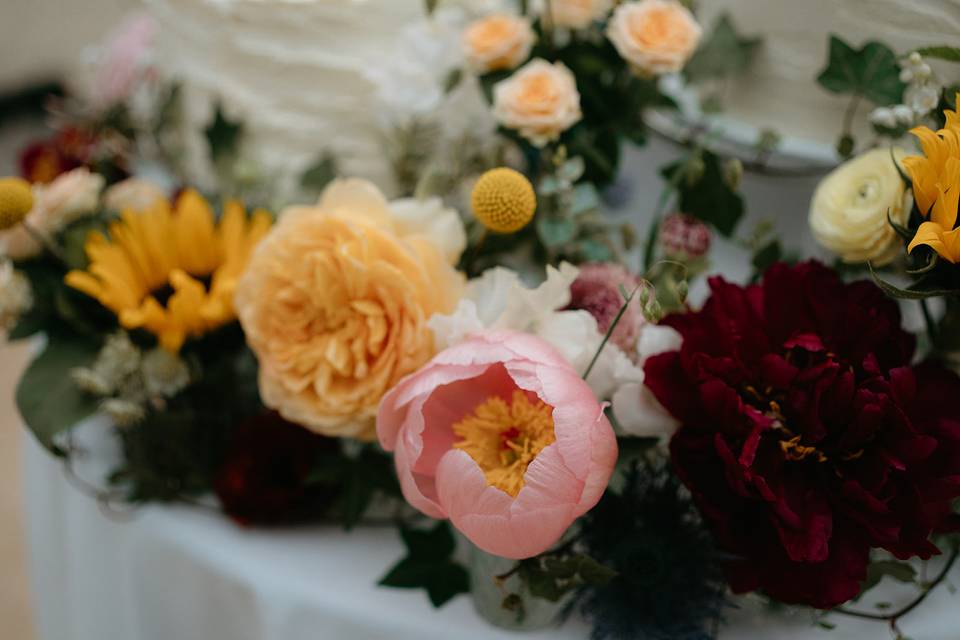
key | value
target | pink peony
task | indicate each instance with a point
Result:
(500, 435)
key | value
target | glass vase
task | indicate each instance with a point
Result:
(506, 602)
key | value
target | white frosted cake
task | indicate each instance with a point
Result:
(293, 70)
(780, 91)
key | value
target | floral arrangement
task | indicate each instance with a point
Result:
(510, 365)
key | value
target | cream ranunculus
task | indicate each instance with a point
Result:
(578, 14)
(655, 36)
(497, 42)
(540, 101)
(133, 193)
(848, 214)
(70, 197)
(335, 303)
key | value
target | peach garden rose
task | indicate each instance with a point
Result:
(578, 14)
(335, 303)
(497, 42)
(501, 435)
(540, 101)
(654, 36)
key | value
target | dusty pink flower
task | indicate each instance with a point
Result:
(684, 236)
(124, 58)
(597, 290)
(500, 435)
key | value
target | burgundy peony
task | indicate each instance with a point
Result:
(265, 476)
(807, 437)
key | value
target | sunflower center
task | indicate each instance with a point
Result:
(503, 438)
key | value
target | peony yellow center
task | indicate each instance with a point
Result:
(504, 438)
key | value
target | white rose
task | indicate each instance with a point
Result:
(848, 214)
(655, 36)
(432, 218)
(16, 297)
(578, 14)
(498, 299)
(540, 101)
(133, 193)
(68, 198)
(497, 42)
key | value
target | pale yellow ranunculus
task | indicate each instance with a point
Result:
(848, 214)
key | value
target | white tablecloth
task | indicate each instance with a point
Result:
(184, 573)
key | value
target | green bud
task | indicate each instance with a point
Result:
(733, 173)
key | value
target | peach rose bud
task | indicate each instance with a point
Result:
(500, 435)
(497, 42)
(654, 36)
(540, 101)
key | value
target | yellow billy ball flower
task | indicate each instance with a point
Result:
(503, 200)
(16, 200)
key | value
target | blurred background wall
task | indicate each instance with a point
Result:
(41, 41)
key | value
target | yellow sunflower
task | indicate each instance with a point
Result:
(172, 272)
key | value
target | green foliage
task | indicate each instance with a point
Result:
(705, 192)
(871, 72)
(429, 565)
(942, 52)
(176, 452)
(223, 137)
(899, 571)
(319, 174)
(723, 53)
(925, 287)
(551, 576)
(47, 398)
(356, 480)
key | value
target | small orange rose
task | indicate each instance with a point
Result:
(540, 101)
(655, 36)
(497, 42)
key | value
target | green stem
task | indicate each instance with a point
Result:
(46, 243)
(613, 325)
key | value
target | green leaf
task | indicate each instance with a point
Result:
(429, 565)
(223, 136)
(319, 174)
(767, 255)
(550, 577)
(555, 232)
(47, 398)
(942, 52)
(725, 52)
(871, 71)
(912, 293)
(431, 6)
(709, 197)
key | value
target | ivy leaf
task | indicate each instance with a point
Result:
(870, 71)
(724, 53)
(550, 577)
(942, 52)
(361, 479)
(709, 196)
(223, 136)
(47, 398)
(899, 571)
(766, 256)
(429, 565)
